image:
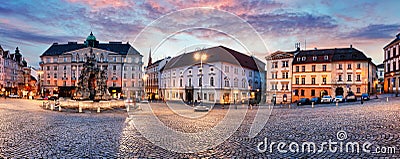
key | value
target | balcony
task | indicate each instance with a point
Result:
(65, 78)
(114, 78)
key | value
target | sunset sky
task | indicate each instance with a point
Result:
(34, 25)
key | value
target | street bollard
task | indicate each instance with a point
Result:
(80, 109)
(289, 106)
(337, 103)
(98, 109)
(52, 106)
(312, 104)
(127, 108)
(269, 106)
(59, 108)
(387, 99)
(47, 105)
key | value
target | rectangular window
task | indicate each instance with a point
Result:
(55, 67)
(303, 80)
(303, 68)
(226, 69)
(358, 77)
(313, 68)
(296, 92)
(358, 66)
(324, 80)
(312, 92)
(358, 90)
(348, 66)
(340, 67)
(297, 80)
(297, 68)
(340, 78)
(302, 92)
(323, 67)
(349, 78)
(313, 80)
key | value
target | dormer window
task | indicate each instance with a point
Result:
(326, 57)
(314, 58)
(303, 58)
(298, 59)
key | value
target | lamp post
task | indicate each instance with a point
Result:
(40, 73)
(202, 56)
(392, 74)
(145, 76)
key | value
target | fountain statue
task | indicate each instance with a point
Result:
(92, 83)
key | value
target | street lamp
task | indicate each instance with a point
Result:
(393, 82)
(202, 56)
(40, 73)
(145, 76)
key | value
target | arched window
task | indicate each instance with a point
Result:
(190, 82)
(180, 82)
(101, 57)
(226, 82)
(200, 81)
(243, 83)
(211, 81)
(250, 83)
(256, 84)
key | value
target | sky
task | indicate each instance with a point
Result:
(172, 27)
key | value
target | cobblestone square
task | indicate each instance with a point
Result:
(28, 131)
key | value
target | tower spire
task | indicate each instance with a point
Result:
(150, 60)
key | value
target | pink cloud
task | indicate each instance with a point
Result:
(97, 4)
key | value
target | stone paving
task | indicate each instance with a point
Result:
(28, 131)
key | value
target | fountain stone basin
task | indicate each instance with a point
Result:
(91, 105)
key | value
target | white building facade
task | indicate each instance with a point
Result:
(223, 76)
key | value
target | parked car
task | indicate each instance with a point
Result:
(14, 96)
(201, 108)
(326, 99)
(338, 98)
(303, 101)
(351, 97)
(315, 100)
(365, 96)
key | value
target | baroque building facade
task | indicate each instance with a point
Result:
(214, 75)
(62, 65)
(279, 76)
(332, 72)
(392, 66)
(12, 72)
(152, 76)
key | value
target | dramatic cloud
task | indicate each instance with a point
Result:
(37, 24)
(375, 31)
(97, 4)
(286, 23)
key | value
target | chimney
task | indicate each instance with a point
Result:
(315, 48)
(398, 36)
(351, 46)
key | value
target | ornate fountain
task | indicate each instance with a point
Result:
(92, 83)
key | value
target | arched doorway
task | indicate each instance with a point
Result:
(339, 91)
(323, 92)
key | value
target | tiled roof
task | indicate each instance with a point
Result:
(397, 39)
(336, 54)
(214, 54)
(58, 49)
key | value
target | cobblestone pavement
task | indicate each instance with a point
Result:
(26, 130)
